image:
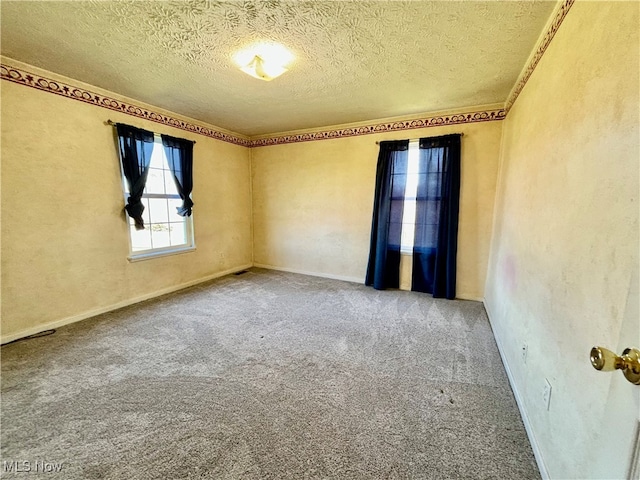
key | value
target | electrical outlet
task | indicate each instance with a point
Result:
(525, 350)
(546, 394)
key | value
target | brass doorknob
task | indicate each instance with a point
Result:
(607, 361)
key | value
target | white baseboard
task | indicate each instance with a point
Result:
(313, 274)
(537, 453)
(97, 311)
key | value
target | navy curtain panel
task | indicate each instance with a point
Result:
(179, 153)
(437, 204)
(383, 270)
(136, 146)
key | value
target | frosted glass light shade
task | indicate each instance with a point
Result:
(264, 71)
(264, 60)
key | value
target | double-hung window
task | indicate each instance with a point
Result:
(415, 213)
(165, 231)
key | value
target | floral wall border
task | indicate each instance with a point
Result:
(436, 121)
(22, 77)
(543, 44)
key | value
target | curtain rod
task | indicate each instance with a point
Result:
(461, 134)
(112, 123)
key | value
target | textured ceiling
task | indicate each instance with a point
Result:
(355, 60)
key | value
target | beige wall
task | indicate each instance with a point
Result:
(64, 236)
(563, 270)
(312, 203)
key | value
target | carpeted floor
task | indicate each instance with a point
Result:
(266, 375)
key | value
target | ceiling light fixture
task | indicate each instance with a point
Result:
(265, 61)
(259, 69)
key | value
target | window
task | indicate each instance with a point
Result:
(165, 231)
(415, 212)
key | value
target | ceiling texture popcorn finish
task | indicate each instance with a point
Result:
(354, 61)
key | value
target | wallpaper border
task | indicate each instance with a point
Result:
(542, 46)
(65, 89)
(433, 121)
(39, 82)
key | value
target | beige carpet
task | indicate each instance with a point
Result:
(267, 375)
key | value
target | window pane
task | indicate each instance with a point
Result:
(396, 211)
(426, 234)
(429, 212)
(140, 239)
(395, 233)
(409, 214)
(399, 162)
(174, 204)
(157, 156)
(433, 184)
(413, 166)
(430, 160)
(408, 232)
(169, 183)
(159, 213)
(398, 185)
(408, 224)
(412, 185)
(178, 233)
(146, 214)
(435, 160)
(160, 235)
(155, 181)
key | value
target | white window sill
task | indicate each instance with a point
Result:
(138, 257)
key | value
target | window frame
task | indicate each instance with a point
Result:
(139, 255)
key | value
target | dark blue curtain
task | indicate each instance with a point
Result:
(179, 153)
(383, 270)
(438, 200)
(136, 147)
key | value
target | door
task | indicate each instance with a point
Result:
(616, 448)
